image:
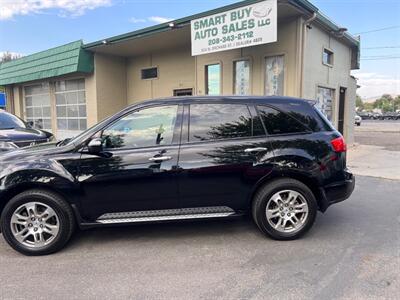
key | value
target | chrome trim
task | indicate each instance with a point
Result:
(160, 158)
(253, 150)
(167, 214)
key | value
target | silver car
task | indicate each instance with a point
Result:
(357, 120)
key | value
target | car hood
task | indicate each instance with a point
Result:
(32, 153)
(23, 134)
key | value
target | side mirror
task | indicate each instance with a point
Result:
(95, 146)
(30, 124)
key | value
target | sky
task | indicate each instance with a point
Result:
(29, 26)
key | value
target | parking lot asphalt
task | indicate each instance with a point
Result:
(352, 252)
(384, 134)
(377, 149)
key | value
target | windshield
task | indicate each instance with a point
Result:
(8, 121)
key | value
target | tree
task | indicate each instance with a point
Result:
(359, 103)
(397, 103)
(8, 56)
(385, 103)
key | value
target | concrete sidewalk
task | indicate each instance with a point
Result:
(377, 152)
(376, 161)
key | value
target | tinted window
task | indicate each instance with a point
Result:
(219, 121)
(277, 122)
(149, 73)
(145, 128)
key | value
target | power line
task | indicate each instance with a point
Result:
(380, 29)
(381, 58)
(381, 47)
(381, 55)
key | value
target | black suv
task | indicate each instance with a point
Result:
(174, 159)
(15, 133)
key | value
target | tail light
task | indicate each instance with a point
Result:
(339, 145)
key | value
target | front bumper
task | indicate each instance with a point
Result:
(337, 191)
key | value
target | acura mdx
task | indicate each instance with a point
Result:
(276, 158)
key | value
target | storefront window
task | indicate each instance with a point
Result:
(274, 76)
(325, 98)
(37, 105)
(213, 79)
(242, 77)
(70, 107)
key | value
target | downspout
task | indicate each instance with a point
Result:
(303, 47)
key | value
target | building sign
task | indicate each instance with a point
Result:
(245, 26)
(2, 99)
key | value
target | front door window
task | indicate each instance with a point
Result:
(149, 127)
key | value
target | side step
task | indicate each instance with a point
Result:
(167, 214)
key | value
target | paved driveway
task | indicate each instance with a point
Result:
(352, 252)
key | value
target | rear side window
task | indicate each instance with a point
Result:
(219, 121)
(327, 126)
(277, 122)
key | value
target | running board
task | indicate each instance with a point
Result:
(167, 214)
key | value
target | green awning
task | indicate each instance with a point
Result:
(62, 60)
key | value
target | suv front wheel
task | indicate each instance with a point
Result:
(37, 222)
(284, 209)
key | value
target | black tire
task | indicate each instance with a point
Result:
(54, 201)
(265, 193)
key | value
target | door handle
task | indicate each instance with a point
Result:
(255, 150)
(160, 158)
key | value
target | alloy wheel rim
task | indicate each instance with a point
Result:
(34, 224)
(287, 211)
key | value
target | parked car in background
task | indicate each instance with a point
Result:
(15, 133)
(365, 115)
(276, 158)
(391, 116)
(357, 120)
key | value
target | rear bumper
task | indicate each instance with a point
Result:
(337, 191)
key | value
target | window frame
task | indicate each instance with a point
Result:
(176, 134)
(55, 93)
(331, 53)
(234, 62)
(334, 100)
(264, 73)
(308, 131)
(206, 85)
(149, 68)
(186, 123)
(49, 93)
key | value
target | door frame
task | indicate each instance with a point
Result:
(341, 108)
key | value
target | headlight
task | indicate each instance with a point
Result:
(7, 145)
(51, 139)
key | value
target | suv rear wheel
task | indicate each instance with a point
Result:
(284, 209)
(37, 222)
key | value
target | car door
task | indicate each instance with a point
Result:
(224, 152)
(137, 169)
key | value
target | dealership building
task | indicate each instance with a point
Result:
(269, 47)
